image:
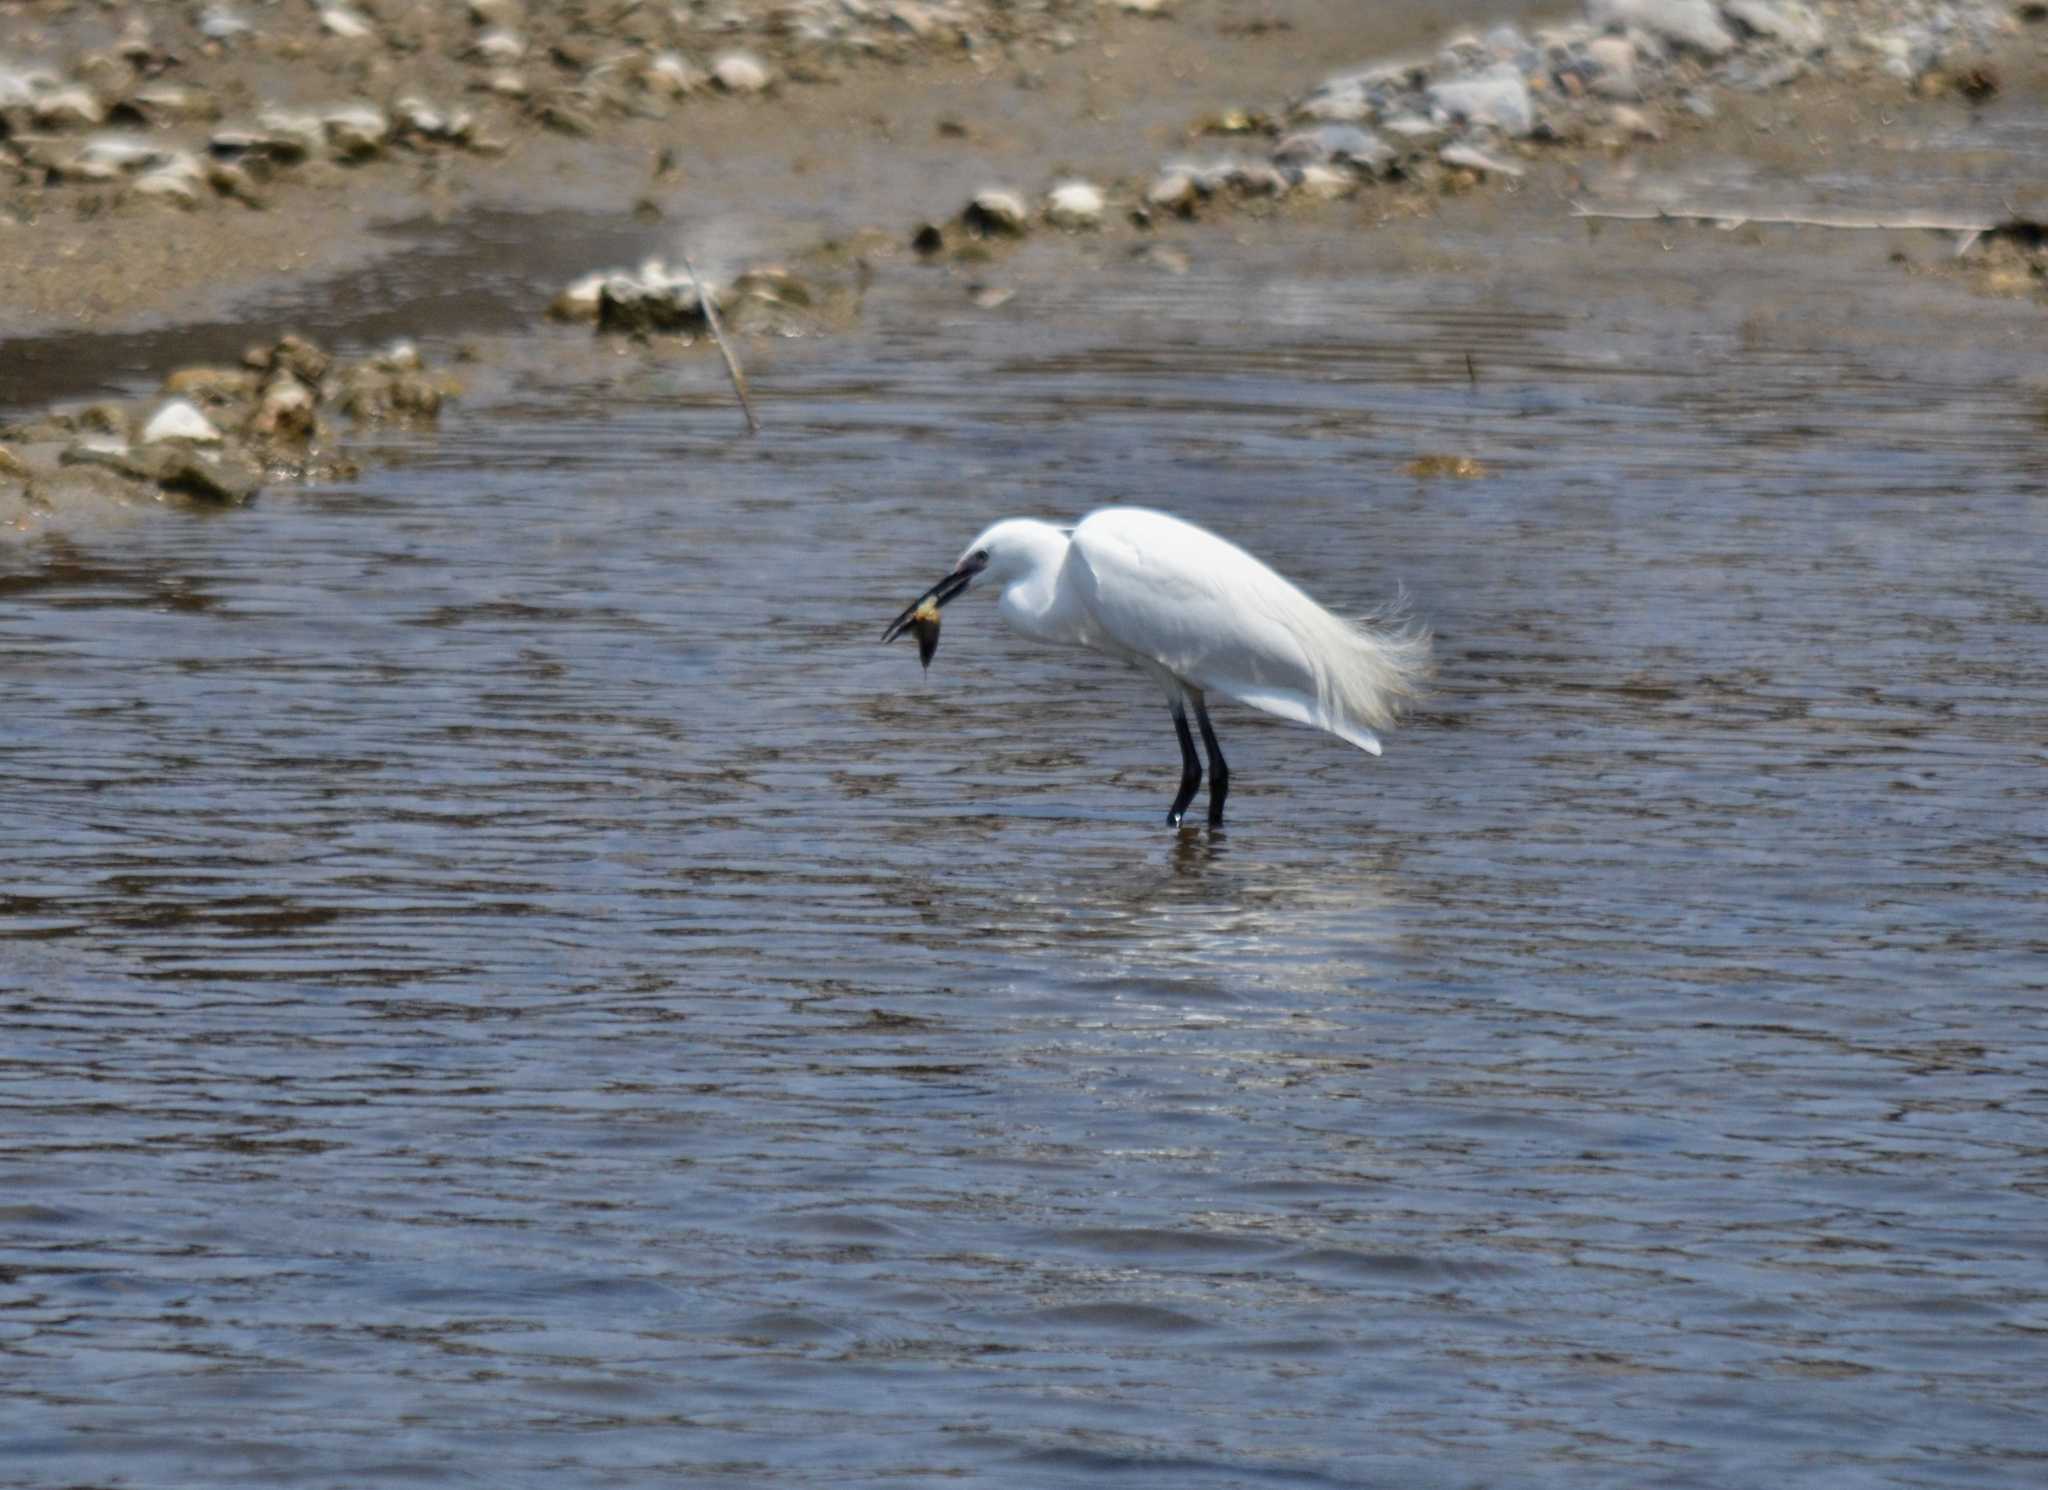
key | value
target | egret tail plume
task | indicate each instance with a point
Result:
(1366, 674)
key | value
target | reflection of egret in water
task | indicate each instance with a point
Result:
(1274, 912)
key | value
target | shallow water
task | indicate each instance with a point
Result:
(507, 983)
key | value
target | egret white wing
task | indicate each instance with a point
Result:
(1211, 614)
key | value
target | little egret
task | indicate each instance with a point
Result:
(1197, 613)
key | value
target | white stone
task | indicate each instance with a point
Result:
(1075, 204)
(169, 101)
(179, 180)
(106, 156)
(671, 73)
(1685, 23)
(998, 211)
(1792, 23)
(220, 23)
(357, 129)
(68, 107)
(1472, 158)
(740, 72)
(421, 117)
(304, 130)
(1497, 96)
(578, 300)
(1615, 56)
(1636, 124)
(339, 20)
(1327, 183)
(501, 47)
(180, 420)
(1174, 191)
(1414, 129)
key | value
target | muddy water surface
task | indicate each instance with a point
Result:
(507, 983)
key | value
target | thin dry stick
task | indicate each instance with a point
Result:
(1812, 220)
(732, 363)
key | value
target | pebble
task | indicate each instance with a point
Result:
(1636, 124)
(1472, 158)
(1793, 24)
(670, 73)
(500, 47)
(1173, 191)
(1691, 24)
(181, 179)
(211, 384)
(650, 302)
(1335, 144)
(104, 157)
(997, 213)
(1326, 183)
(285, 411)
(291, 136)
(740, 72)
(1497, 96)
(357, 131)
(67, 108)
(1413, 129)
(222, 23)
(1339, 101)
(1615, 57)
(339, 20)
(167, 101)
(579, 300)
(1075, 205)
(180, 420)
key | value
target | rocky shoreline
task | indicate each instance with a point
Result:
(149, 121)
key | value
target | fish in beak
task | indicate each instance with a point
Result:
(921, 616)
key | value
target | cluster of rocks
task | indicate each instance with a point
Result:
(217, 434)
(657, 300)
(1483, 98)
(1482, 102)
(163, 108)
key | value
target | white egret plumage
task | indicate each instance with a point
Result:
(1197, 613)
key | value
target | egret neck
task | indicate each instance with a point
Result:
(1027, 559)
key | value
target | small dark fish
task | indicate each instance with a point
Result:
(924, 622)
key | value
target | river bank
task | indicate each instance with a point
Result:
(369, 184)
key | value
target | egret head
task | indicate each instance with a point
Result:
(921, 616)
(1006, 552)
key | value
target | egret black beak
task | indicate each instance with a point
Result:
(937, 596)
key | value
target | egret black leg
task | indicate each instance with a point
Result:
(1190, 766)
(1219, 773)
